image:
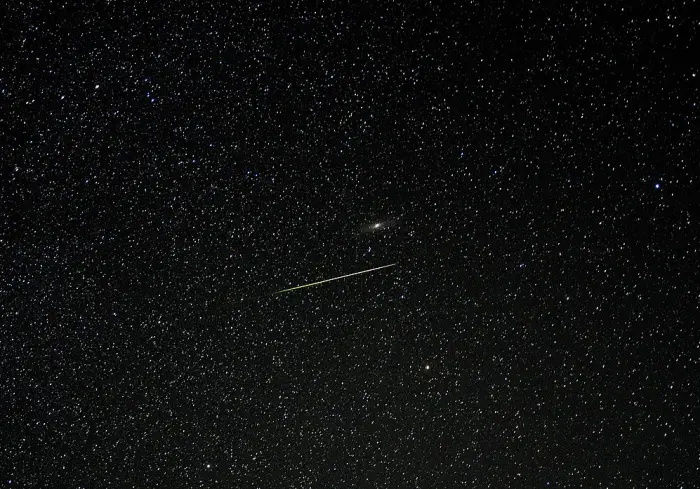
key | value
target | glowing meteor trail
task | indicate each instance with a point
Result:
(332, 279)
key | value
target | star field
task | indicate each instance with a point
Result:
(532, 170)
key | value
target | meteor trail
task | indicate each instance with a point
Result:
(332, 279)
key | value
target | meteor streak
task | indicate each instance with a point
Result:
(332, 279)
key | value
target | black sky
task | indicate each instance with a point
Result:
(535, 171)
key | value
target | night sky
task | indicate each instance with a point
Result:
(532, 170)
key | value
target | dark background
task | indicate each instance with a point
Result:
(165, 170)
